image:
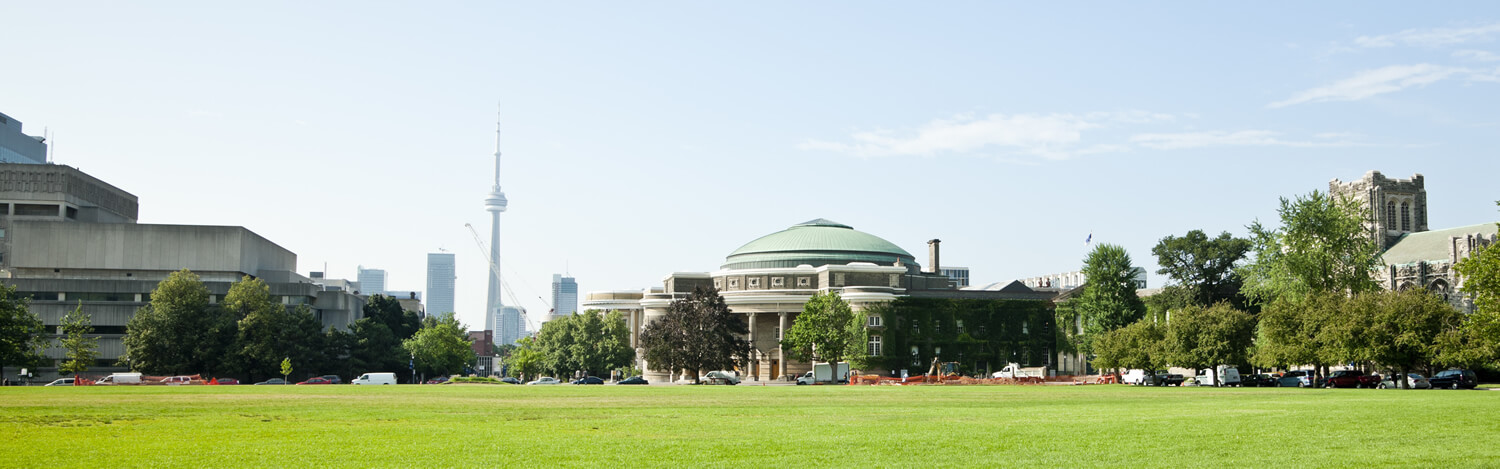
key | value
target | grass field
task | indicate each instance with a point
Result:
(501, 426)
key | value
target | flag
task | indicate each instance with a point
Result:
(1089, 239)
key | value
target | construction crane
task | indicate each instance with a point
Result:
(504, 286)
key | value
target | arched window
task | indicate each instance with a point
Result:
(1405, 217)
(1439, 287)
(1390, 214)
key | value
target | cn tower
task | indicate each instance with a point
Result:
(495, 204)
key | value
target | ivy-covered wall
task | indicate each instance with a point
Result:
(981, 335)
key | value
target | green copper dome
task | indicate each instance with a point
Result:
(816, 243)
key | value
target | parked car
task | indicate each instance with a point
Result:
(333, 379)
(1261, 380)
(588, 380)
(177, 380)
(634, 380)
(438, 380)
(1351, 379)
(510, 380)
(272, 381)
(1454, 379)
(318, 380)
(228, 381)
(1413, 381)
(1297, 379)
(545, 380)
(61, 382)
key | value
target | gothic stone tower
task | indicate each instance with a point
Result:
(1393, 206)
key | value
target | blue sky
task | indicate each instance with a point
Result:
(643, 139)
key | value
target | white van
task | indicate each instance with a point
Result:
(120, 378)
(375, 378)
(1227, 376)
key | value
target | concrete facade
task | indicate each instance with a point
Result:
(67, 239)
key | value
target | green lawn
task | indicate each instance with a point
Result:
(623, 426)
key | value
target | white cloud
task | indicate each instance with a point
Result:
(1373, 82)
(1051, 136)
(1476, 55)
(1219, 138)
(1431, 37)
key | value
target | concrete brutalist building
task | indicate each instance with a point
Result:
(69, 239)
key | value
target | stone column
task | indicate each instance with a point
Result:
(750, 366)
(780, 355)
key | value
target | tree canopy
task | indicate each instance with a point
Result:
(697, 334)
(441, 347)
(1200, 337)
(1202, 266)
(21, 343)
(179, 332)
(1137, 346)
(1321, 246)
(80, 346)
(1109, 300)
(827, 329)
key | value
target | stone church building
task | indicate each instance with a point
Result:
(1414, 256)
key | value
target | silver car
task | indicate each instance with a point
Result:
(1413, 381)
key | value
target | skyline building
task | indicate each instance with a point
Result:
(564, 296)
(510, 325)
(496, 204)
(17, 147)
(371, 281)
(441, 277)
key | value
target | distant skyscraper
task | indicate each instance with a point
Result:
(371, 281)
(564, 296)
(441, 276)
(495, 203)
(510, 325)
(16, 147)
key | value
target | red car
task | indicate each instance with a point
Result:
(316, 381)
(228, 381)
(1351, 379)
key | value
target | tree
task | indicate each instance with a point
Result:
(698, 333)
(79, 348)
(1322, 246)
(1137, 346)
(1202, 266)
(1201, 337)
(590, 342)
(286, 367)
(261, 326)
(827, 329)
(377, 337)
(1400, 330)
(1294, 332)
(21, 341)
(179, 332)
(441, 347)
(1109, 300)
(1478, 341)
(525, 360)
